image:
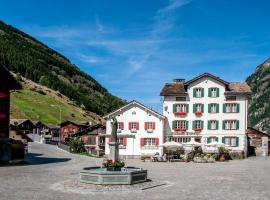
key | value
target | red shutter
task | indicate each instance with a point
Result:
(129, 125)
(157, 141)
(145, 125)
(142, 142)
(124, 141)
(122, 125)
(154, 125)
(137, 125)
(110, 139)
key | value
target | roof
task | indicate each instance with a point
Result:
(17, 122)
(176, 88)
(134, 102)
(206, 75)
(51, 126)
(180, 88)
(23, 135)
(8, 80)
(88, 129)
(239, 88)
(80, 124)
(258, 131)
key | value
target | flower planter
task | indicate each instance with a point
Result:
(180, 113)
(198, 113)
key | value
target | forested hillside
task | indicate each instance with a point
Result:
(259, 107)
(23, 54)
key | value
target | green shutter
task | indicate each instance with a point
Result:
(217, 92)
(186, 124)
(237, 141)
(194, 92)
(209, 108)
(202, 107)
(174, 124)
(223, 124)
(202, 92)
(224, 108)
(216, 139)
(194, 108)
(174, 108)
(187, 108)
(217, 105)
(209, 125)
(208, 140)
(202, 124)
(223, 140)
(237, 125)
(193, 124)
(238, 107)
(209, 92)
(217, 124)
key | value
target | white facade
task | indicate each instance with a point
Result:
(235, 139)
(134, 137)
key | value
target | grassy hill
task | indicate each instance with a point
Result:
(34, 102)
(23, 54)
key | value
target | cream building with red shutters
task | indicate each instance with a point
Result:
(140, 130)
(206, 109)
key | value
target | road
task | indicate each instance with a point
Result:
(49, 166)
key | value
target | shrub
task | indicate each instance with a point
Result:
(236, 155)
(76, 145)
(41, 92)
(115, 164)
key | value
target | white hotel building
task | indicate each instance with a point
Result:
(204, 109)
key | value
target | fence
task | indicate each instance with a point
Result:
(64, 146)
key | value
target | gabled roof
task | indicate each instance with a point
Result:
(8, 80)
(79, 124)
(256, 130)
(17, 122)
(134, 102)
(180, 88)
(206, 75)
(88, 129)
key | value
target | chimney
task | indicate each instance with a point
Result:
(179, 80)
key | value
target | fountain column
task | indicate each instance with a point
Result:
(113, 145)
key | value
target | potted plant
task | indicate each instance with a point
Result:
(113, 165)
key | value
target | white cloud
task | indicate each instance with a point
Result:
(173, 5)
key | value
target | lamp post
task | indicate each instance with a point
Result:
(60, 119)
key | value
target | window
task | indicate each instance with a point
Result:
(231, 107)
(213, 108)
(230, 98)
(213, 92)
(197, 125)
(212, 139)
(120, 141)
(212, 125)
(149, 142)
(231, 141)
(198, 92)
(231, 125)
(198, 108)
(180, 108)
(180, 139)
(180, 98)
(120, 126)
(180, 125)
(134, 125)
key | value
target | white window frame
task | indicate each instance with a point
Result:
(198, 92)
(181, 139)
(149, 142)
(181, 124)
(231, 107)
(213, 92)
(230, 124)
(213, 124)
(181, 107)
(198, 124)
(133, 125)
(213, 108)
(150, 125)
(198, 107)
(230, 141)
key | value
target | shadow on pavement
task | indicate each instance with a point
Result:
(35, 159)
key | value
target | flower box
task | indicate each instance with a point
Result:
(198, 113)
(133, 130)
(180, 113)
(180, 129)
(197, 129)
(149, 130)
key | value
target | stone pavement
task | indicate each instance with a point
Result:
(51, 168)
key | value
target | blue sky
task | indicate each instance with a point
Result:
(134, 47)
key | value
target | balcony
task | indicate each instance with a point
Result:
(181, 113)
(3, 95)
(3, 116)
(198, 114)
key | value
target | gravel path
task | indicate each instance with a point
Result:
(53, 174)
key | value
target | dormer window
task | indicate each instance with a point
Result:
(198, 92)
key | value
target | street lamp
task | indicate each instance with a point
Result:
(60, 119)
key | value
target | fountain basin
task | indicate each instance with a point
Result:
(101, 176)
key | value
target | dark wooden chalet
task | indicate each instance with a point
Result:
(24, 125)
(68, 128)
(7, 83)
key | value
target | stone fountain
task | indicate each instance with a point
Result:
(113, 172)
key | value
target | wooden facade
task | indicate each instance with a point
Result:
(68, 128)
(7, 83)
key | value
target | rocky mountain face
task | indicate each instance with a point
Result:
(259, 107)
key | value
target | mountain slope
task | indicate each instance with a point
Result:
(23, 54)
(259, 107)
(35, 102)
